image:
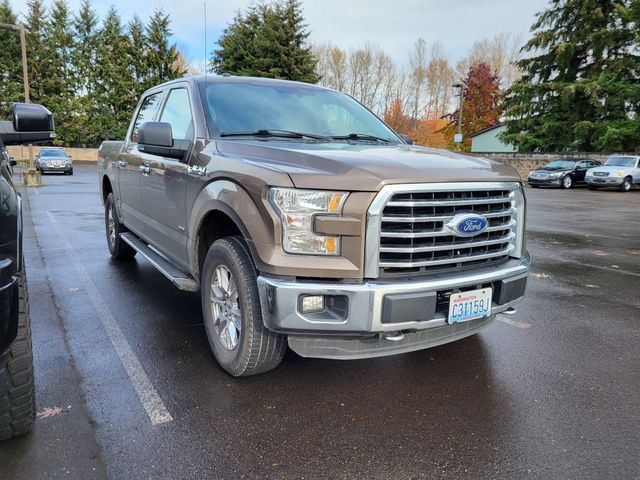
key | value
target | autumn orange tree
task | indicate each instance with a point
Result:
(423, 131)
(481, 107)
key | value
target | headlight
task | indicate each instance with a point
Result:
(297, 209)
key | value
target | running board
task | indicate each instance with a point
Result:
(179, 278)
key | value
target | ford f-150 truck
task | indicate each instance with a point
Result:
(304, 220)
(31, 123)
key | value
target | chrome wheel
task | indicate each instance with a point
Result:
(567, 181)
(111, 226)
(227, 319)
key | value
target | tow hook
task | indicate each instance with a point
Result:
(393, 336)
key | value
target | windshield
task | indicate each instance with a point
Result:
(621, 162)
(562, 164)
(52, 153)
(251, 107)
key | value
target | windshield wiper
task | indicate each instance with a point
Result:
(275, 133)
(361, 136)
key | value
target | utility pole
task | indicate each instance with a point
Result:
(458, 137)
(25, 70)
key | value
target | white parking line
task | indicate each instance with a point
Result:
(149, 398)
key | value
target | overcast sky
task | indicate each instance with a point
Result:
(395, 25)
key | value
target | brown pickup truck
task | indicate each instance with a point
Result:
(305, 221)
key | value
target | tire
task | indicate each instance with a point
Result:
(119, 249)
(256, 350)
(17, 388)
(626, 185)
(566, 182)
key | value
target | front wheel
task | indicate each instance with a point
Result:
(625, 186)
(232, 314)
(118, 248)
(17, 389)
(567, 182)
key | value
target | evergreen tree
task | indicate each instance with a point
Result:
(579, 90)
(161, 55)
(37, 53)
(116, 90)
(85, 25)
(11, 86)
(59, 82)
(269, 40)
(138, 51)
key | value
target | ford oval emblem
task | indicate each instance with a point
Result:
(468, 225)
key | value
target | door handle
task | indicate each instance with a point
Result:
(145, 169)
(122, 164)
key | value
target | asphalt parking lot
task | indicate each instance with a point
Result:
(550, 392)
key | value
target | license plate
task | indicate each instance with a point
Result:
(470, 305)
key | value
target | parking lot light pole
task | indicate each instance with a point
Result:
(25, 71)
(458, 138)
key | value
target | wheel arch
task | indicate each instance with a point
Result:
(218, 212)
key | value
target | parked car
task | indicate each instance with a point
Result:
(32, 123)
(622, 171)
(303, 219)
(54, 159)
(563, 173)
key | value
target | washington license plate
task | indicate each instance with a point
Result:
(470, 305)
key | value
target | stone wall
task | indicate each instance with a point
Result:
(525, 162)
(79, 155)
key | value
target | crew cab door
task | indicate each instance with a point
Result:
(164, 181)
(130, 164)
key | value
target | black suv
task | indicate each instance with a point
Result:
(32, 123)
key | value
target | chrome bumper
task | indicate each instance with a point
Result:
(604, 180)
(361, 316)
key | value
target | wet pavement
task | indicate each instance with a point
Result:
(550, 392)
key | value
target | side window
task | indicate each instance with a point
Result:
(146, 113)
(583, 164)
(177, 112)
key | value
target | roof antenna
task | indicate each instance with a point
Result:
(205, 42)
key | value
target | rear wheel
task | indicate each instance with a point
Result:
(118, 248)
(567, 182)
(17, 389)
(232, 314)
(625, 186)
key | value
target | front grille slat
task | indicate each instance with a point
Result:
(448, 246)
(441, 203)
(430, 233)
(415, 239)
(458, 259)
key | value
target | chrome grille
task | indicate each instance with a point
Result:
(413, 237)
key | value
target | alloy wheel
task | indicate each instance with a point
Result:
(111, 225)
(227, 317)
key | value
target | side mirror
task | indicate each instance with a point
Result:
(406, 138)
(31, 117)
(13, 162)
(156, 138)
(32, 123)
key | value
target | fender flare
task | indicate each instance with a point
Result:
(234, 201)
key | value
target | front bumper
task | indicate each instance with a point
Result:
(603, 181)
(51, 168)
(361, 318)
(550, 182)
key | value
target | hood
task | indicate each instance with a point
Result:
(364, 167)
(552, 169)
(57, 159)
(610, 168)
